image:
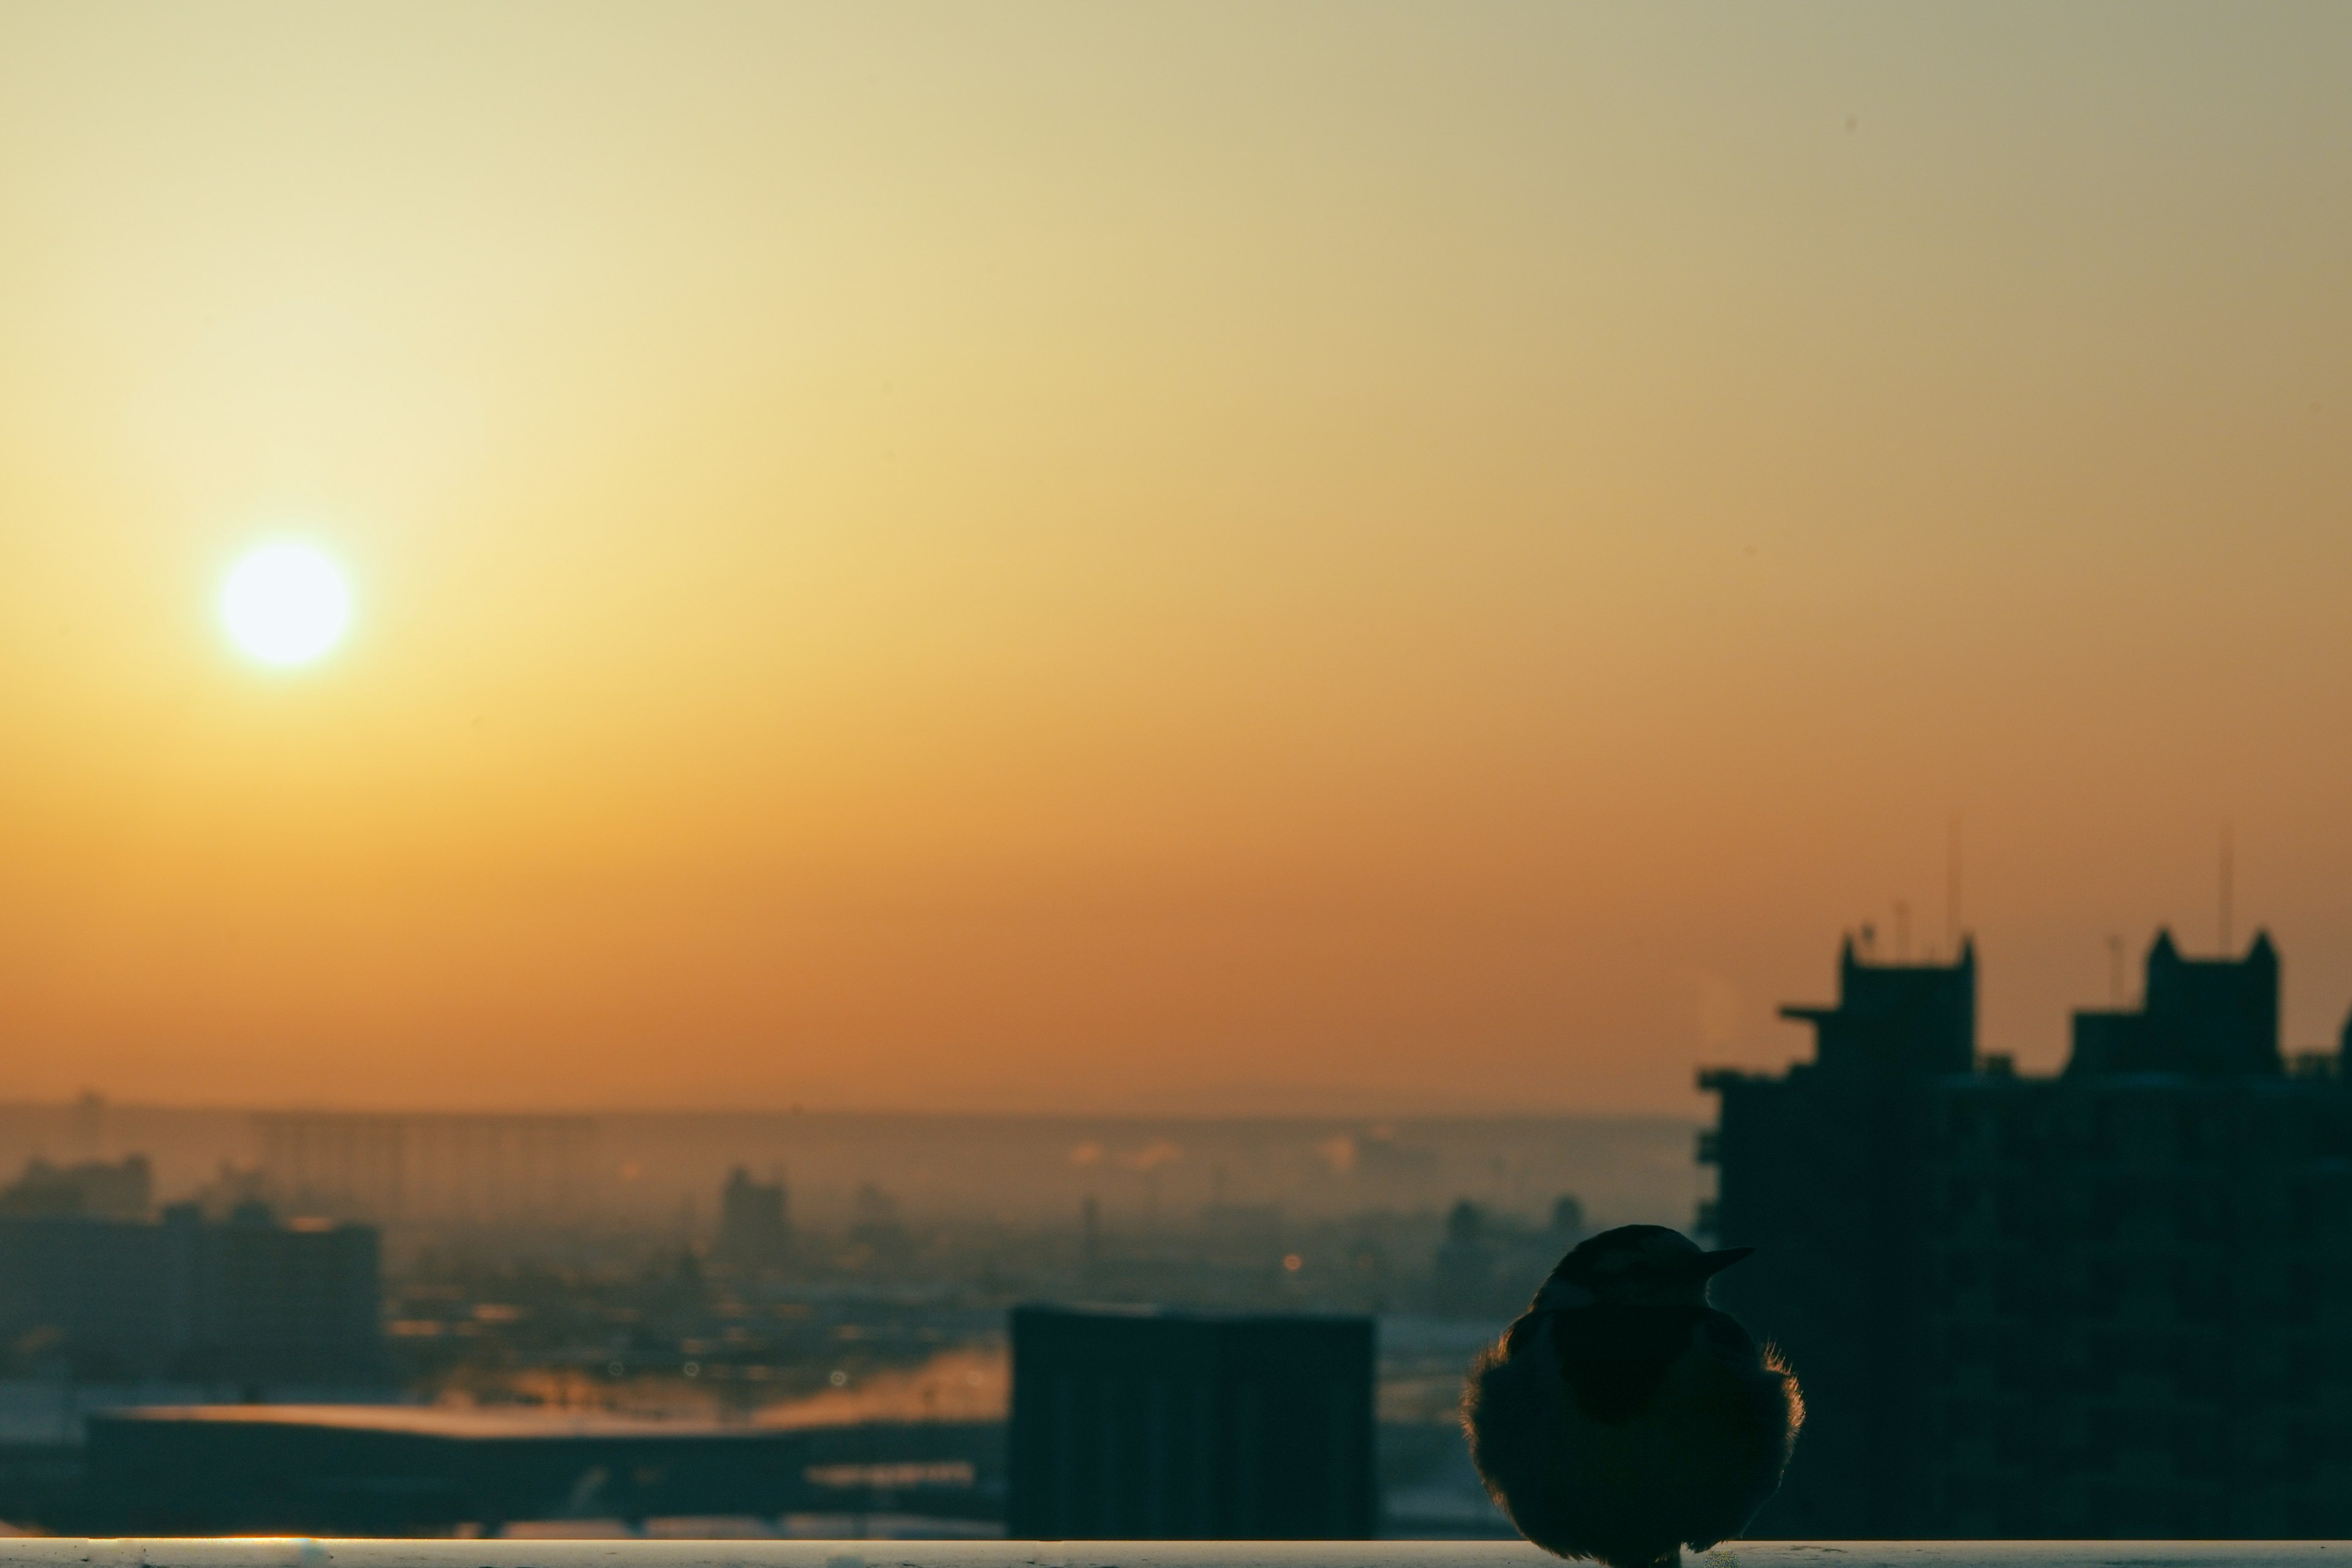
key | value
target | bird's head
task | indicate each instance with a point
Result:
(1636, 1265)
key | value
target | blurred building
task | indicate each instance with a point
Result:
(1149, 1425)
(249, 1301)
(754, 1222)
(91, 1189)
(2112, 1303)
(1462, 1272)
(1487, 1265)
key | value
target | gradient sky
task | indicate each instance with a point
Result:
(1264, 557)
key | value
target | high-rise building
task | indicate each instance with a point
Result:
(2109, 1303)
(1143, 1425)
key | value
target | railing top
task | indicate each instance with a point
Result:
(287, 1553)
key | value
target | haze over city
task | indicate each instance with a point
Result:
(1305, 559)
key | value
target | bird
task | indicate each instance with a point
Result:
(1620, 1417)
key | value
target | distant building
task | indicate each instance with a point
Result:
(92, 1189)
(754, 1222)
(1488, 1265)
(1147, 1424)
(390, 1168)
(2106, 1304)
(1462, 1272)
(248, 1300)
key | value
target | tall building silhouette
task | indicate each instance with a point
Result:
(2108, 1303)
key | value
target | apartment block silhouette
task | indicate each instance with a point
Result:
(2116, 1302)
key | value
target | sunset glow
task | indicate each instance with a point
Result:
(1393, 559)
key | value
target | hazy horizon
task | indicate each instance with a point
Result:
(633, 1165)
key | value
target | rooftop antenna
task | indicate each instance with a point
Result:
(1902, 932)
(1952, 889)
(2227, 868)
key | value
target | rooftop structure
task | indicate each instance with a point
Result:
(2196, 1015)
(1901, 1017)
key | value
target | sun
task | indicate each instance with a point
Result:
(285, 604)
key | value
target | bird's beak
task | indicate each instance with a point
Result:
(1711, 1263)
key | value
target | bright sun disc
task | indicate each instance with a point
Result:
(285, 604)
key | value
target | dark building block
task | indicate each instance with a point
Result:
(249, 1301)
(1161, 1426)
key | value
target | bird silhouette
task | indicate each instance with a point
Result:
(1621, 1418)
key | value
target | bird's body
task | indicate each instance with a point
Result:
(1621, 1417)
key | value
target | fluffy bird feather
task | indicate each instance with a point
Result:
(1621, 1418)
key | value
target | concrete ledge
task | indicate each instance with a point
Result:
(282, 1552)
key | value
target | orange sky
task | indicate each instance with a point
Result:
(1281, 557)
